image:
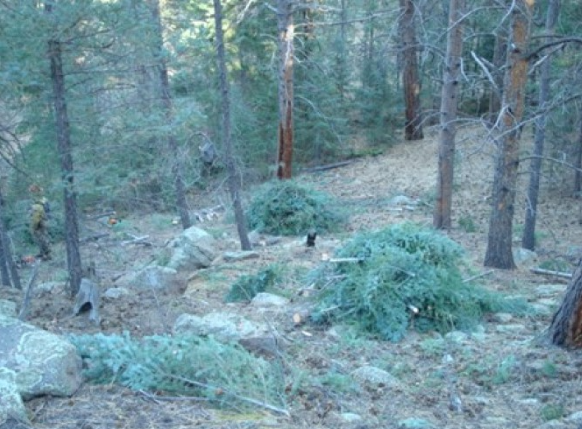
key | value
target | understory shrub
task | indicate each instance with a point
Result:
(286, 207)
(248, 286)
(224, 374)
(400, 277)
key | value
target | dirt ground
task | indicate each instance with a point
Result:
(504, 377)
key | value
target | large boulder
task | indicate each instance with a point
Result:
(150, 277)
(11, 405)
(44, 363)
(225, 327)
(192, 250)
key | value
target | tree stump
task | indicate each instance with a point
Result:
(566, 327)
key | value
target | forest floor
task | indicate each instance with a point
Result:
(503, 376)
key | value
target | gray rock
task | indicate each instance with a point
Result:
(550, 289)
(154, 277)
(223, 326)
(11, 405)
(523, 257)
(264, 299)
(502, 317)
(7, 308)
(575, 417)
(49, 288)
(240, 255)
(351, 417)
(401, 200)
(513, 328)
(114, 293)
(554, 424)
(371, 374)
(414, 423)
(457, 337)
(193, 249)
(45, 364)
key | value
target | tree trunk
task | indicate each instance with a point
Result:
(8, 270)
(286, 52)
(528, 239)
(177, 168)
(499, 252)
(566, 327)
(449, 102)
(231, 168)
(65, 147)
(410, 75)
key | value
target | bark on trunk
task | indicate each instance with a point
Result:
(528, 238)
(177, 168)
(578, 173)
(449, 103)
(410, 75)
(286, 52)
(233, 174)
(64, 147)
(8, 268)
(499, 242)
(566, 327)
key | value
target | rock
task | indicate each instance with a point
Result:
(223, 326)
(264, 299)
(457, 337)
(193, 249)
(45, 364)
(115, 293)
(49, 288)
(401, 200)
(240, 256)
(550, 289)
(351, 417)
(7, 308)
(502, 317)
(414, 423)
(575, 417)
(154, 277)
(513, 328)
(554, 424)
(371, 374)
(11, 405)
(523, 257)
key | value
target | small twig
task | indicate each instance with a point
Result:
(478, 276)
(337, 260)
(137, 240)
(28, 294)
(551, 273)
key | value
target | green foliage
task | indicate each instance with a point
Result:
(286, 207)
(467, 224)
(184, 365)
(403, 276)
(552, 412)
(247, 287)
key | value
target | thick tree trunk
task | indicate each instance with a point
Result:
(410, 75)
(449, 102)
(528, 238)
(499, 241)
(233, 174)
(286, 52)
(64, 147)
(566, 327)
(177, 169)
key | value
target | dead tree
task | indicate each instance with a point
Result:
(566, 327)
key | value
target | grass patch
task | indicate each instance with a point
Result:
(384, 280)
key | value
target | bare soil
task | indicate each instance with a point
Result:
(503, 376)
